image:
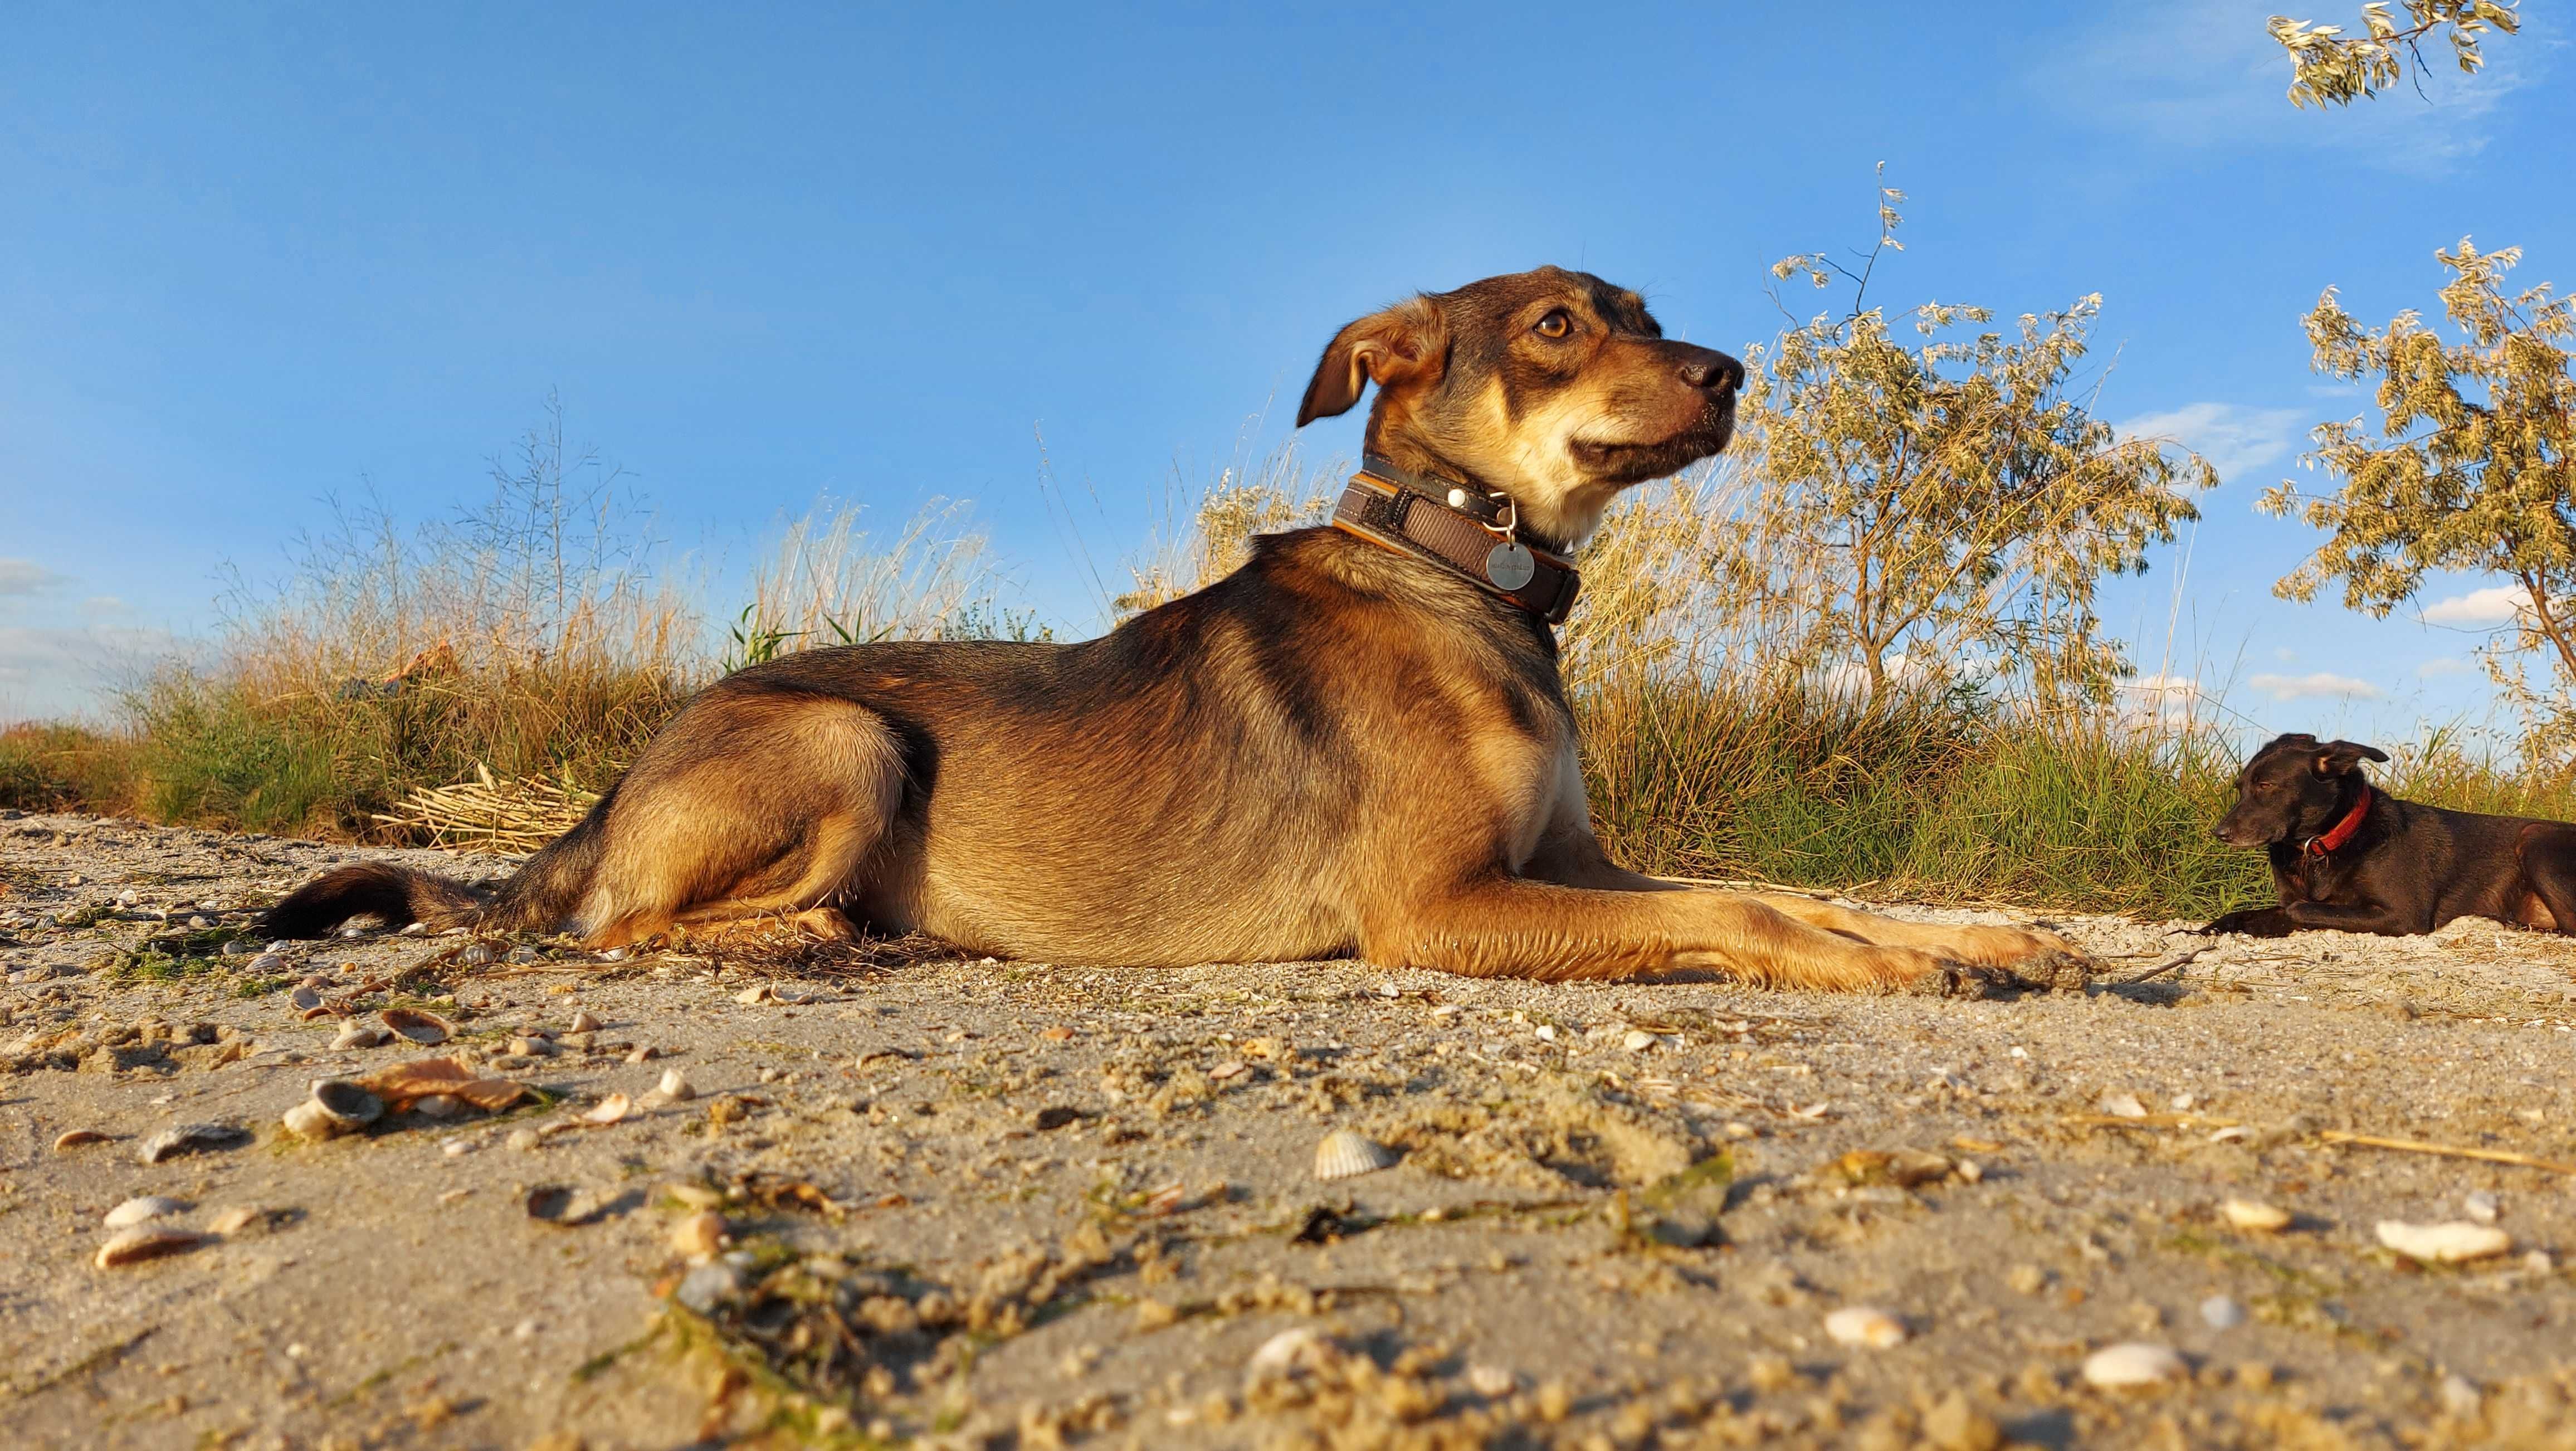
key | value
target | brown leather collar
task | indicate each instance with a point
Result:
(1472, 531)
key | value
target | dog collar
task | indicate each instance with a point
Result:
(1473, 531)
(2342, 831)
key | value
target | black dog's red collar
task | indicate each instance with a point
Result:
(2343, 830)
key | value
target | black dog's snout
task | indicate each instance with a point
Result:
(1702, 368)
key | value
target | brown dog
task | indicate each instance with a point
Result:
(1357, 743)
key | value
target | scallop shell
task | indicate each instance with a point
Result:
(137, 1211)
(2254, 1215)
(144, 1243)
(1346, 1154)
(347, 1104)
(427, 1029)
(610, 1110)
(2134, 1363)
(2444, 1243)
(1865, 1325)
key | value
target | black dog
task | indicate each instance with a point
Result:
(2348, 858)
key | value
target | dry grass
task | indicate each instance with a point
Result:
(478, 682)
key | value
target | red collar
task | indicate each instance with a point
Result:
(2343, 830)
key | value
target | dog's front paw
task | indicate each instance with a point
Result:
(2061, 969)
(1965, 980)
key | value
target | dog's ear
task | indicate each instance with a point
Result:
(2338, 758)
(1406, 343)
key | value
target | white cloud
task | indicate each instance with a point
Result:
(2322, 683)
(2284, 654)
(2206, 74)
(2496, 605)
(2444, 665)
(2236, 440)
(26, 577)
(46, 672)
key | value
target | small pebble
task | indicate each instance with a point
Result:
(2122, 1105)
(2461, 1396)
(2482, 1207)
(2254, 1215)
(2222, 1313)
(699, 1236)
(524, 1140)
(583, 1022)
(1865, 1325)
(676, 1085)
(2134, 1364)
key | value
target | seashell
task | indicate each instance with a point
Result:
(350, 1105)
(307, 1120)
(2253, 1215)
(190, 1139)
(1289, 1355)
(137, 1211)
(759, 992)
(614, 954)
(2445, 1244)
(2482, 1207)
(1492, 1381)
(676, 1085)
(1546, 1032)
(304, 999)
(74, 1138)
(700, 1236)
(610, 1110)
(1865, 1325)
(478, 954)
(555, 1204)
(2122, 1105)
(583, 1022)
(137, 1245)
(1346, 1154)
(234, 1221)
(2222, 1313)
(642, 1053)
(1637, 1040)
(2227, 1135)
(438, 1105)
(355, 1034)
(1230, 1068)
(427, 1029)
(271, 962)
(2132, 1364)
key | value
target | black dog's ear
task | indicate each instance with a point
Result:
(1406, 343)
(2338, 758)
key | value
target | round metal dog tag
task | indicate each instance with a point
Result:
(1509, 566)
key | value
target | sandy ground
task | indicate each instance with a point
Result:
(1008, 1204)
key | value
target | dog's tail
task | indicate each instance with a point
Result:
(542, 895)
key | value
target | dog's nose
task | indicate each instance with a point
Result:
(1705, 369)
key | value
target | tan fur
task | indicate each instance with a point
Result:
(1338, 749)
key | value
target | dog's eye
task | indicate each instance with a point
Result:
(1555, 325)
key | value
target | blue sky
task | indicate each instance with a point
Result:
(259, 255)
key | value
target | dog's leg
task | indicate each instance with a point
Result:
(1511, 927)
(2030, 953)
(768, 810)
(2548, 853)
